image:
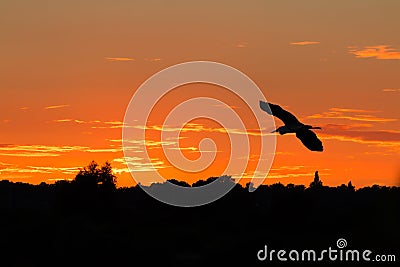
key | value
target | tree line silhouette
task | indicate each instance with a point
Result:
(90, 221)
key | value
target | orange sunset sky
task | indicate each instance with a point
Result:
(68, 70)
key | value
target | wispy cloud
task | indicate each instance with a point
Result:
(277, 175)
(382, 138)
(305, 43)
(377, 52)
(289, 175)
(64, 170)
(40, 169)
(288, 168)
(6, 164)
(104, 150)
(153, 59)
(391, 90)
(351, 110)
(284, 153)
(224, 106)
(348, 114)
(22, 170)
(70, 120)
(138, 164)
(241, 44)
(49, 151)
(367, 135)
(108, 124)
(29, 154)
(354, 126)
(392, 145)
(190, 148)
(96, 124)
(368, 118)
(166, 144)
(119, 171)
(195, 127)
(124, 160)
(119, 59)
(36, 150)
(56, 106)
(150, 143)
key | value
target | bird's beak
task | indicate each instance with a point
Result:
(274, 131)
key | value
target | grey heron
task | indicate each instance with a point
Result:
(293, 125)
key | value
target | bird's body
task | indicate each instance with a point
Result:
(294, 129)
(293, 125)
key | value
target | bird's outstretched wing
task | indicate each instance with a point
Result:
(285, 116)
(310, 140)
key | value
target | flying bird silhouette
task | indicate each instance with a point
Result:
(293, 125)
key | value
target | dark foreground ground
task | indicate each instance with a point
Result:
(63, 225)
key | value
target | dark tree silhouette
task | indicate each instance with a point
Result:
(180, 183)
(221, 179)
(317, 183)
(79, 222)
(107, 179)
(350, 186)
(95, 176)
